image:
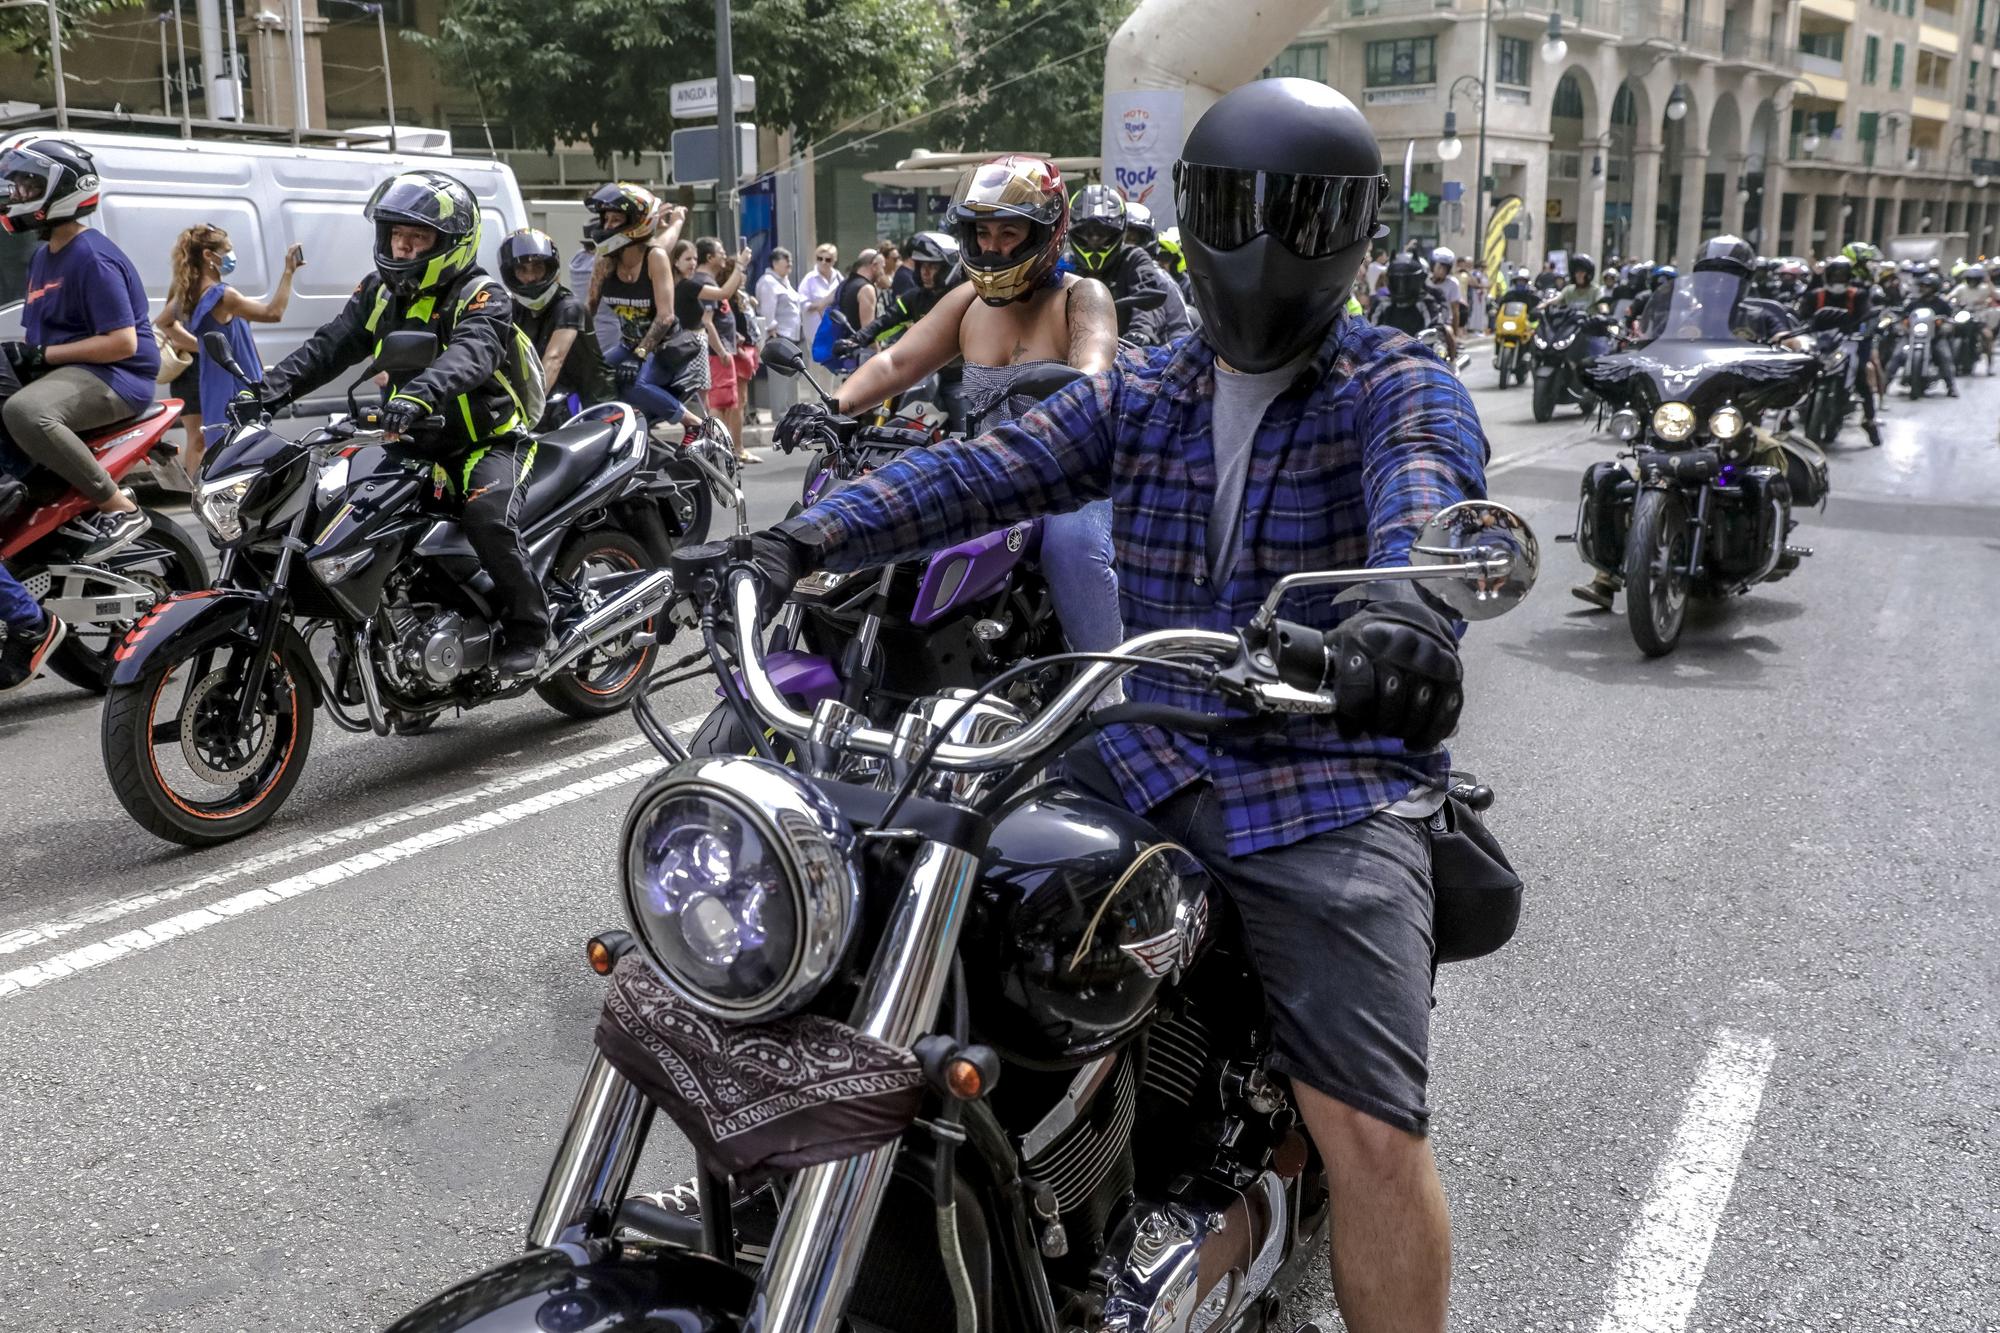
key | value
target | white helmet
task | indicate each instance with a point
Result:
(1443, 256)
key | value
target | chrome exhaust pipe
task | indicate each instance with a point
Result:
(627, 609)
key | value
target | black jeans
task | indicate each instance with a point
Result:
(492, 482)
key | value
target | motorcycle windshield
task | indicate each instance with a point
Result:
(1698, 307)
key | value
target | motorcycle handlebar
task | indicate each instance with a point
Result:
(1036, 735)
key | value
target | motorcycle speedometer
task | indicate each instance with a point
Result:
(740, 885)
(1673, 422)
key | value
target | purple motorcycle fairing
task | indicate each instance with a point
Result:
(972, 571)
(804, 676)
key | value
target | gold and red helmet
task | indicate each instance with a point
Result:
(639, 209)
(1015, 186)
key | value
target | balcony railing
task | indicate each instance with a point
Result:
(1940, 91)
(1941, 18)
(1816, 64)
(1830, 152)
(1361, 9)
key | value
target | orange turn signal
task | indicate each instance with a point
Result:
(602, 960)
(964, 1079)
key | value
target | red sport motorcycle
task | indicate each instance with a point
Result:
(101, 600)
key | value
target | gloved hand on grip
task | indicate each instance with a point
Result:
(246, 408)
(802, 420)
(27, 361)
(780, 560)
(401, 414)
(1396, 672)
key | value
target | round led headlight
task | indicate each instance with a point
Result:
(1673, 422)
(1725, 423)
(740, 885)
(1625, 424)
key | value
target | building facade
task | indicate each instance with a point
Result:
(1800, 124)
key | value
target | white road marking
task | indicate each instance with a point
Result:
(124, 945)
(1661, 1269)
(13, 941)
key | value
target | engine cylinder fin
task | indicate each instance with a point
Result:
(1080, 1161)
(1177, 1057)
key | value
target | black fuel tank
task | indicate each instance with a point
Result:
(1076, 924)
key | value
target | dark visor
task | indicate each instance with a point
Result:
(1312, 216)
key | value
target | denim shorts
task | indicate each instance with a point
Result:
(1339, 926)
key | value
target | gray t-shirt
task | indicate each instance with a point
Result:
(1240, 403)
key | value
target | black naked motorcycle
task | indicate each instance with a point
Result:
(1834, 394)
(959, 1048)
(344, 583)
(1563, 343)
(1701, 502)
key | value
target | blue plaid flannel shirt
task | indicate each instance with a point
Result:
(1374, 437)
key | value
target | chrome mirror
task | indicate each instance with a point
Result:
(1494, 542)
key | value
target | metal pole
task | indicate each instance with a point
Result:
(388, 82)
(235, 70)
(166, 73)
(180, 47)
(301, 105)
(725, 127)
(1479, 180)
(55, 66)
(208, 44)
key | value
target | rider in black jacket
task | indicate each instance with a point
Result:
(1930, 296)
(1411, 306)
(1099, 250)
(1843, 290)
(426, 277)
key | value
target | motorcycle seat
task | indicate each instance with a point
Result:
(104, 435)
(565, 459)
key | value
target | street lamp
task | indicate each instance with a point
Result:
(1809, 141)
(1554, 48)
(1450, 146)
(1677, 103)
(55, 54)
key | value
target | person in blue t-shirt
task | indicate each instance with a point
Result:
(89, 358)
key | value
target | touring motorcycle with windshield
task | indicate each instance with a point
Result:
(1567, 337)
(344, 584)
(1700, 502)
(957, 1048)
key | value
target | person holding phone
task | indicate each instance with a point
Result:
(200, 301)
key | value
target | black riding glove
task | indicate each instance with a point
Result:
(1396, 673)
(400, 415)
(246, 408)
(802, 420)
(780, 561)
(27, 361)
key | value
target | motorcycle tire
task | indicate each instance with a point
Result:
(1588, 402)
(1915, 385)
(1823, 417)
(179, 567)
(597, 688)
(1521, 368)
(692, 506)
(1656, 581)
(1545, 398)
(721, 734)
(1506, 364)
(131, 738)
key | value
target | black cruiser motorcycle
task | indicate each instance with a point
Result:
(1701, 501)
(342, 584)
(1563, 343)
(957, 1049)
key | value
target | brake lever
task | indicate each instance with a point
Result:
(1272, 667)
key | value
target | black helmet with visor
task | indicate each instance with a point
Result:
(1279, 191)
(522, 247)
(424, 199)
(1096, 228)
(47, 182)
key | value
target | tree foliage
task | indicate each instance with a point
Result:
(598, 71)
(27, 29)
(1058, 45)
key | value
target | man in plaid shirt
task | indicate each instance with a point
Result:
(1285, 437)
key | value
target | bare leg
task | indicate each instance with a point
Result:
(1391, 1231)
(193, 443)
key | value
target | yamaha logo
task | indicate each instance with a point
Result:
(1017, 537)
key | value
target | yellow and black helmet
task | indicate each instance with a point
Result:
(425, 199)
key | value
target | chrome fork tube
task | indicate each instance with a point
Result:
(823, 1232)
(594, 1162)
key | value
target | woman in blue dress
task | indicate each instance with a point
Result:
(201, 301)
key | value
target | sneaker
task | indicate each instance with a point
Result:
(1598, 592)
(114, 532)
(26, 649)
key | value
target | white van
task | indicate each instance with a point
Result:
(267, 197)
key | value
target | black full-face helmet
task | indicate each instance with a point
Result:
(521, 247)
(1582, 270)
(425, 199)
(46, 182)
(1097, 229)
(1406, 280)
(1839, 272)
(1279, 190)
(1726, 254)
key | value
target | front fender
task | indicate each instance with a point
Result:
(196, 619)
(638, 1290)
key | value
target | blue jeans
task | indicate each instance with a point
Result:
(17, 609)
(651, 394)
(1076, 560)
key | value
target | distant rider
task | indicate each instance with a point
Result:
(1411, 304)
(1098, 247)
(553, 318)
(1839, 290)
(1929, 295)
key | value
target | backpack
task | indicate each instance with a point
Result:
(519, 374)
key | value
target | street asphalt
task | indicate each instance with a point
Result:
(1740, 1069)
